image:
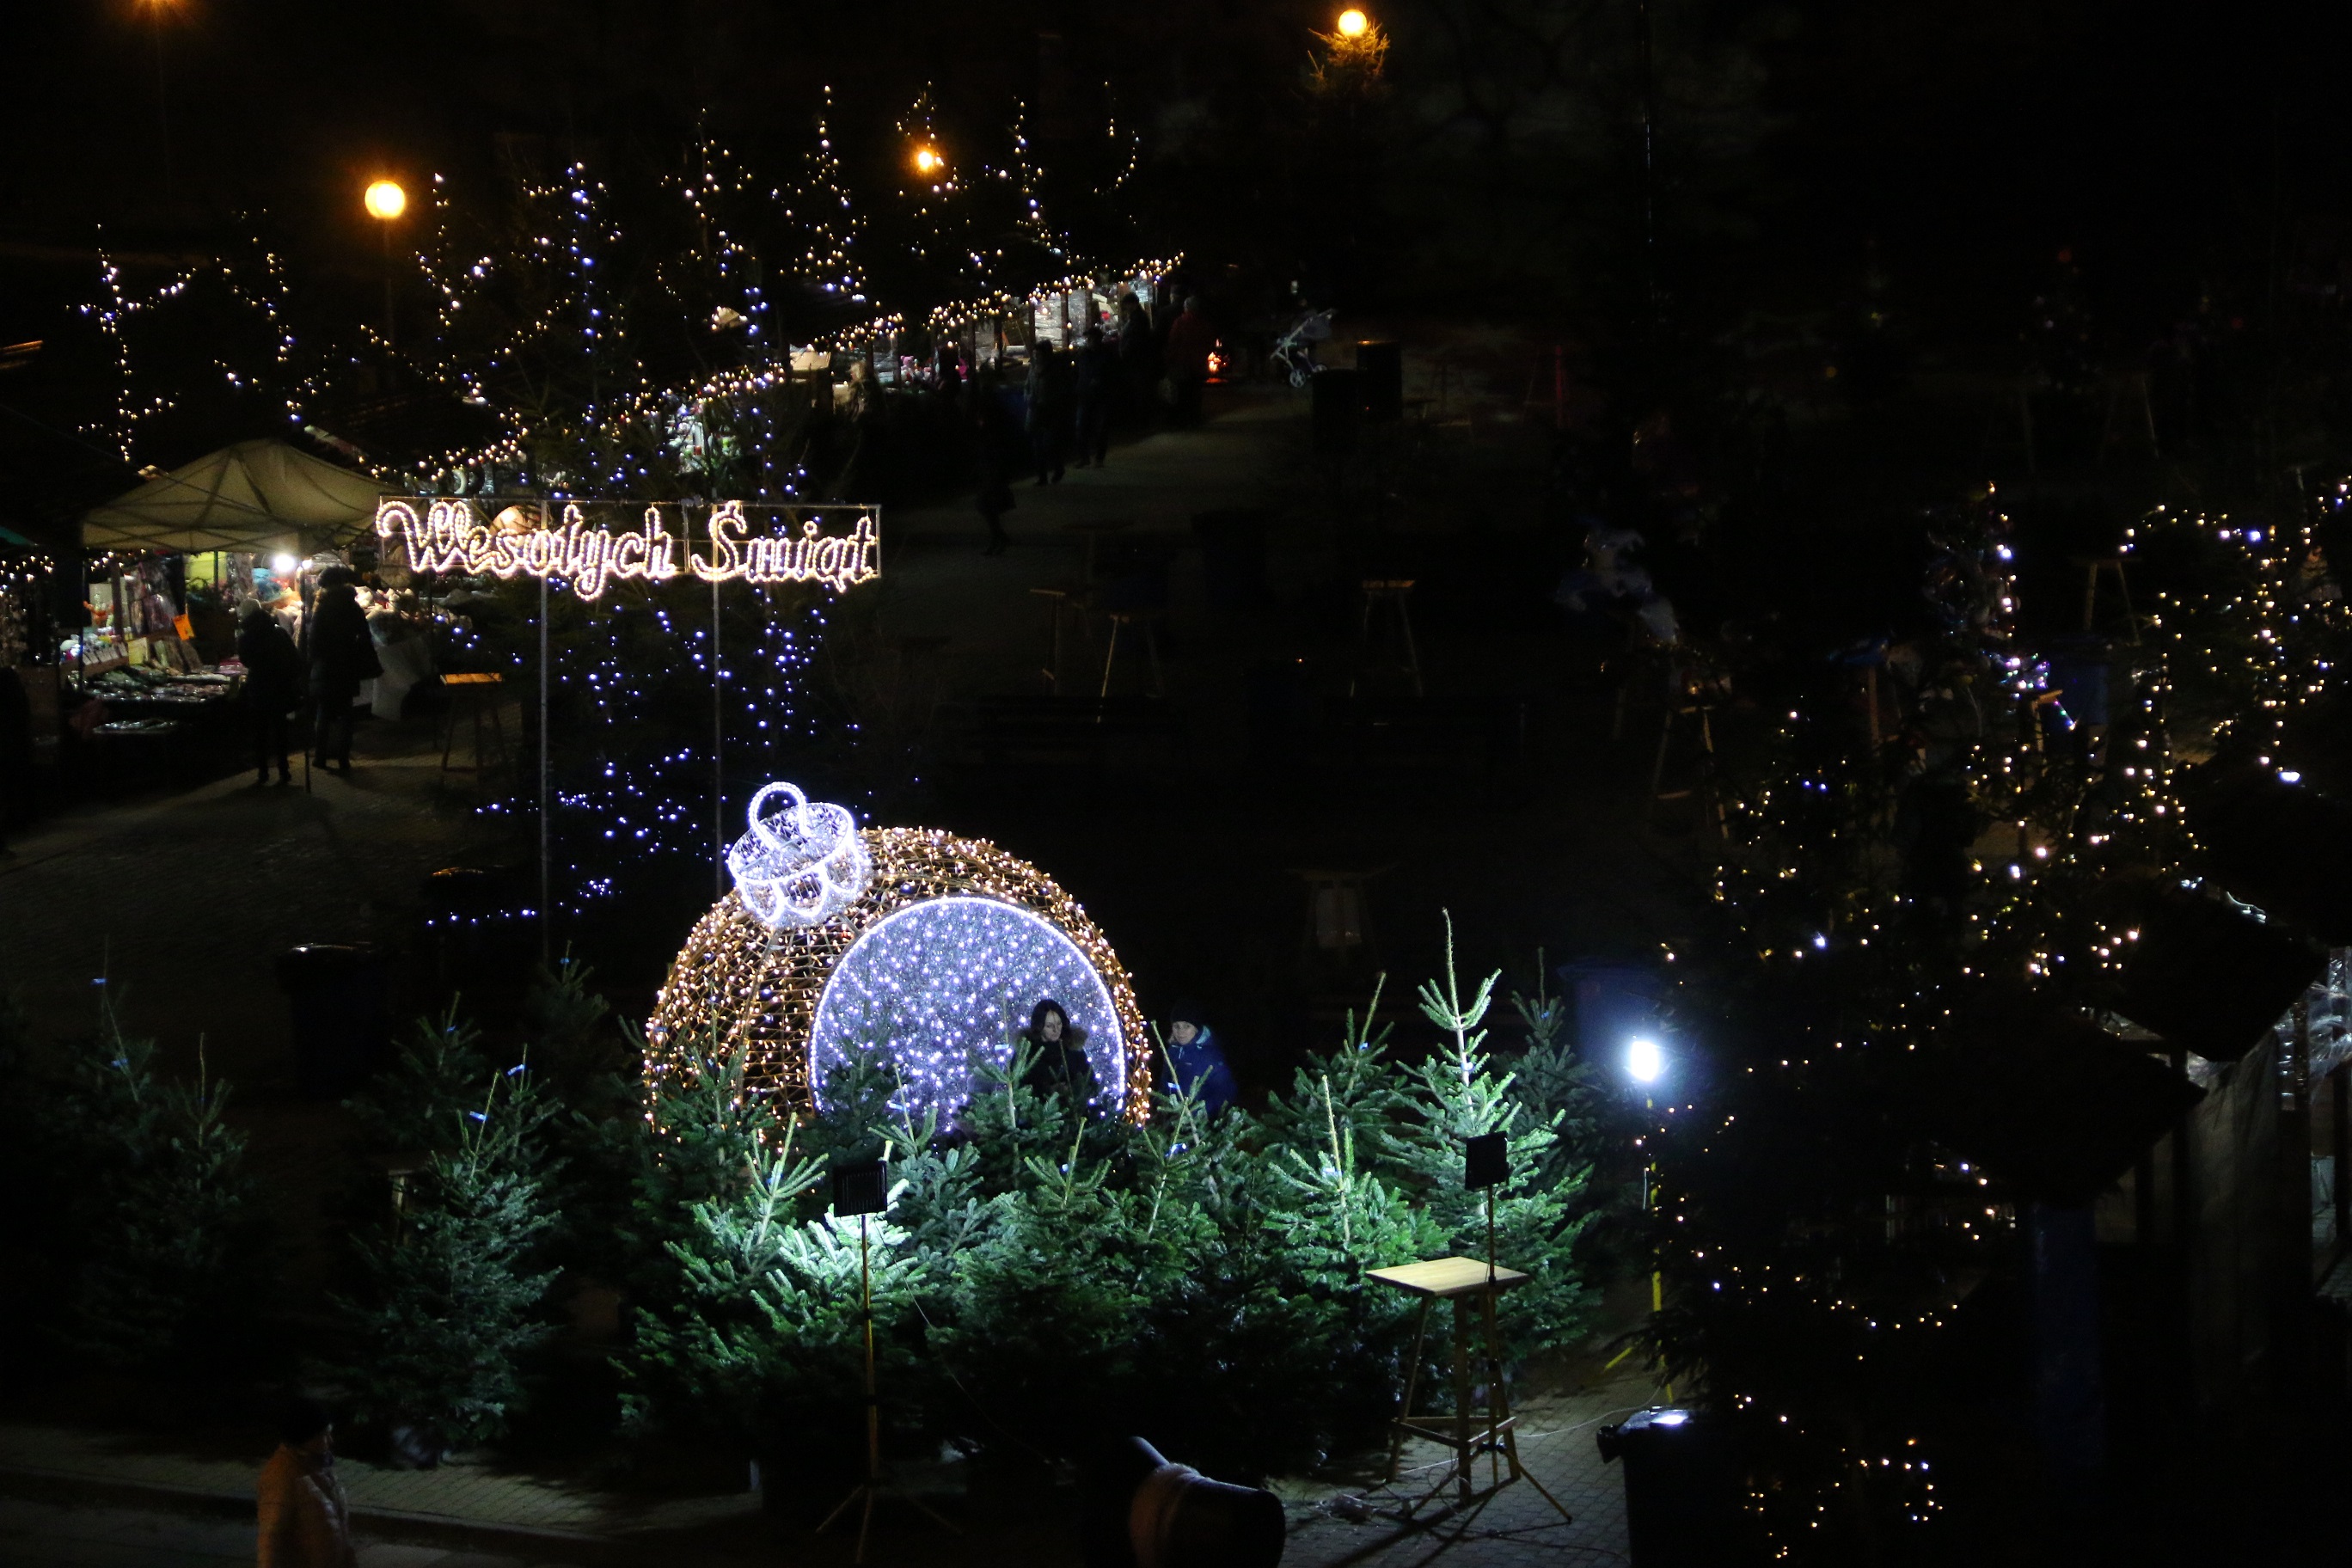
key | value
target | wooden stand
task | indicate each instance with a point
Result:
(875, 1484)
(470, 697)
(1473, 1285)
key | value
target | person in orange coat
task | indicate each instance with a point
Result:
(306, 1520)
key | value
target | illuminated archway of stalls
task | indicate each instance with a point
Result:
(739, 992)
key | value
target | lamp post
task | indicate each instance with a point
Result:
(156, 10)
(385, 202)
(1646, 1064)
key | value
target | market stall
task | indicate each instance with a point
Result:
(170, 566)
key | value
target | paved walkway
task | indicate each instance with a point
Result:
(183, 903)
(81, 1497)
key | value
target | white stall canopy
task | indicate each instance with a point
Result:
(263, 496)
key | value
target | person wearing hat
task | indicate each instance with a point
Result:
(1196, 1061)
(273, 687)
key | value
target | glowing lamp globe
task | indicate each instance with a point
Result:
(386, 200)
(1354, 23)
(927, 161)
(1645, 1062)
(931, 966)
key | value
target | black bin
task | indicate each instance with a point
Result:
(1683, 1489)
(342, 1031)
(1338, 408)
(1380, 368)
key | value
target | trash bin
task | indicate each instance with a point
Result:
(342, 1032)
(1381, 368)
(1683, 1489)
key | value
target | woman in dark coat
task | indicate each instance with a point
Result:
(1049, 412)
(343, 655)
(1059, 1065)
(273, 687)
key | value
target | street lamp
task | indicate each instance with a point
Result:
(385, 201)
(1354, 23)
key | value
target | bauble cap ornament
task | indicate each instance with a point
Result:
(802, 866)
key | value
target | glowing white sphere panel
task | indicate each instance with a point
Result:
(941, 984)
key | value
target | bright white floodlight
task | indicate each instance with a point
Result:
(1645, 1062)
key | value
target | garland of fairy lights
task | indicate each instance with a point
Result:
(739, 992)
(2257, 616)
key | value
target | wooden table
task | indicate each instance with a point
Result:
(1472, 1285)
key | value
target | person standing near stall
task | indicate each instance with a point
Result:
(1049, 412)
(273, 686)
(343, 655)
(1098, 378)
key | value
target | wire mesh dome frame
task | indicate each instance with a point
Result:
(738, 990)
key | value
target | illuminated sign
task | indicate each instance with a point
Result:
(446, 533)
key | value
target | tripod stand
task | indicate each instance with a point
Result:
(875, 1484)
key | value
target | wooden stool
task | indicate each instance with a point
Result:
(1066, 605)
(1682, 710)
(469, 695)
(1145, 621)
(1473, 1285)
(2093, 565)
(1396, 593)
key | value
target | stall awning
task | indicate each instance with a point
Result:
(259, 496)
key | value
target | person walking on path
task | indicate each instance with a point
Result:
(273, 687)
(343, 655)
(995, 425)
(1196, 1063)
(306, 1520)
(1191, 339)
(1049, 412)
(1097, 380)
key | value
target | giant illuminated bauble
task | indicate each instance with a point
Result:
(934, 964)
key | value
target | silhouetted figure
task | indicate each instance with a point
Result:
(1097, 382)
(1049, 412)
(343, 655)
(1191, 339)
(273, 687)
